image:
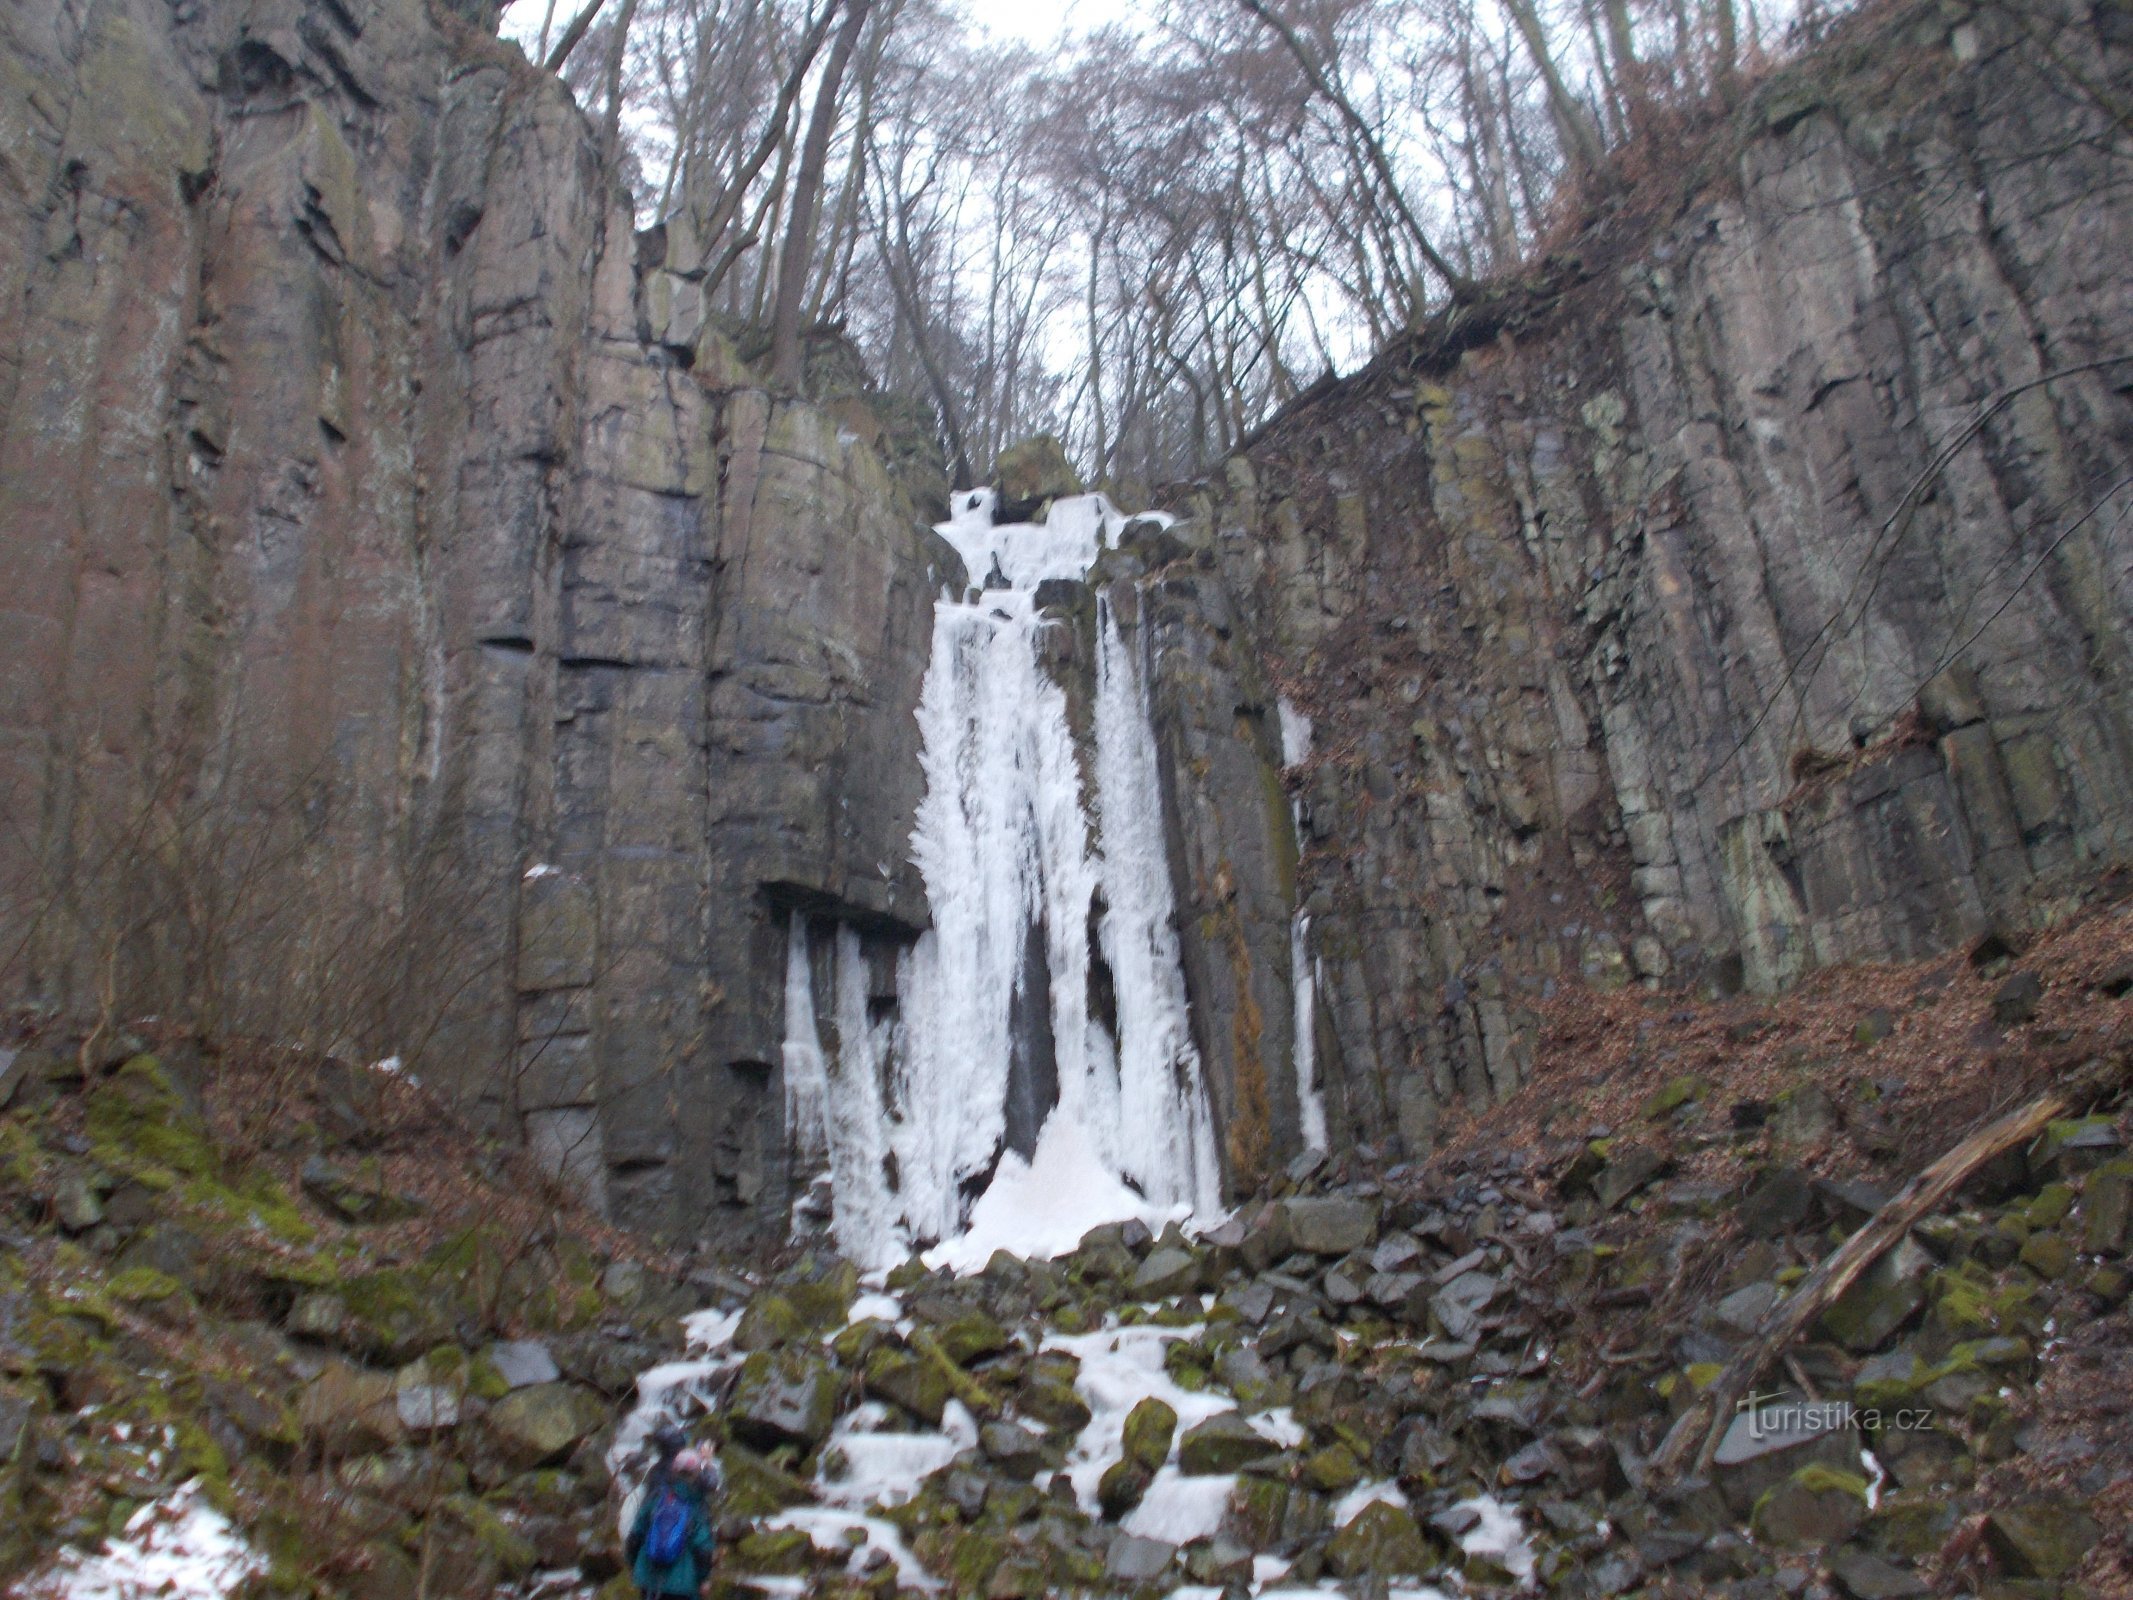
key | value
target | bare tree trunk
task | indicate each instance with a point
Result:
(617, 52)
(1096, 345)
(1622, 45)
(540, 51)
(572, 34)
(1369, 141)
(1725, 32)
(1579, 138)
(735, 193)
(1491, 180)
(798, 254)
(1611, 95)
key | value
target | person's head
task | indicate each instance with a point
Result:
(668, 1441)
(694, 1465)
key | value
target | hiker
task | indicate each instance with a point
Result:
(669, 1543)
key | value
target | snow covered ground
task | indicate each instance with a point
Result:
(176, 1548)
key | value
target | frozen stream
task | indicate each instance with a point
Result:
(1037, 1076)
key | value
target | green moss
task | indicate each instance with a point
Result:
(1962, 1307)
(257, 1201)
(1665, 1101)
(139, 1124)
(20, 1154)
(1818, 1479)
(485, 1381)
(510, 1550)
(2049, 1207)
(143, 1284)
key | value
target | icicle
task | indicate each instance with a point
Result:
(1162, 1135)
(859, 1127)
(806, 1077)
(1303, 980)
(1303, 970)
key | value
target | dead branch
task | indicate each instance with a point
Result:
(1713, 1409)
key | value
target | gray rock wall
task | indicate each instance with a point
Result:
(423, 635)
(1747, 599)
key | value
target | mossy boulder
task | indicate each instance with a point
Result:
(349, 1410)
(1911, 1528)
(821, 1290)
(1166, 1274)
(2107, 1209)
(784, 1396)
(1031, 472)
(776, 1552)
(2075, 1145)
(972, 1337)
(1816, 1507)
(1882, 1300)
(854, 1347)
(1670, 1097)
(540, 1425)
(2048, 1255)
(1223, 1443)
(1149, 1428)
(903, 1377)
(139, 1123)
(2041, 1539)
(1055, 1402)
(771, 1319)
(393, 1315)
(144, 1286)
(757, 1487)
(1121, 1487)
(358, 1193)
(1382, 1538)
(1257, 1513)
(1332, 1470)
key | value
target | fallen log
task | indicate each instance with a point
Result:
(1713, 1410)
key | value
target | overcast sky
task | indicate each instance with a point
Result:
(1040, 21)
(1036, 22)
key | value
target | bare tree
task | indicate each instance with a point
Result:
(796, 258)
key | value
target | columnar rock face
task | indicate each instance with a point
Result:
(1754, 598)
(422, 633)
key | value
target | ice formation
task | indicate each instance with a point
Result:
(1303, 967)
(1037, 1061)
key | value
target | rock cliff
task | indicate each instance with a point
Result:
(1747, 592)
(425, 635)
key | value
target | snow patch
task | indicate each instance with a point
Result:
(1295, 733)
(176, 1548)
(1042, 1207)
(1364, 1495)
(835, 1530)
(1498, 1536)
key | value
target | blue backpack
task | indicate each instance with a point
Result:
(667, 1540)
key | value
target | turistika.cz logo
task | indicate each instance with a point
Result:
(1770, 1415)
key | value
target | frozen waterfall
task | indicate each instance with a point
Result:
(1038, 1075)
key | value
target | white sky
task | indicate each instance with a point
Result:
(1041, 22)
(1036, 22)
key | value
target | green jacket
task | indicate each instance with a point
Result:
(687, 1575)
